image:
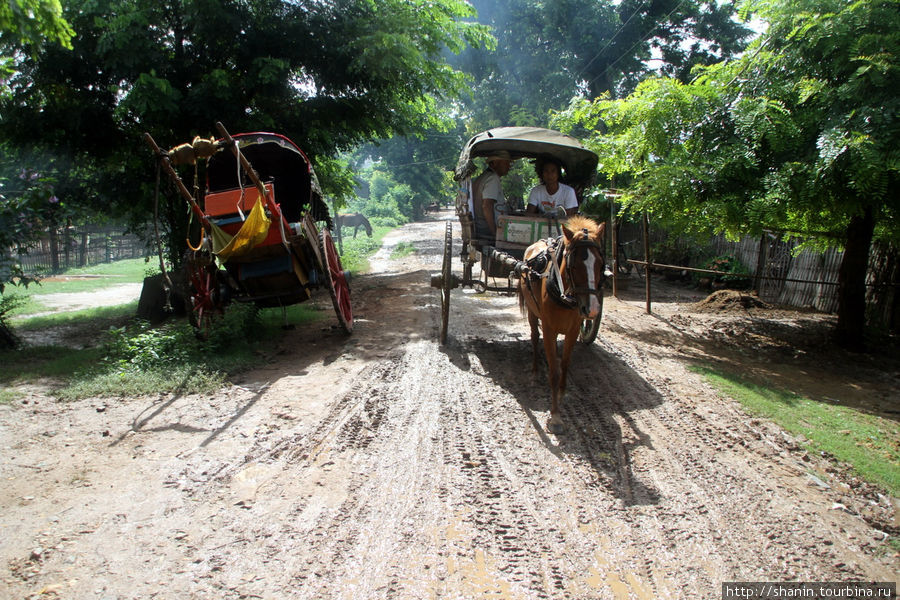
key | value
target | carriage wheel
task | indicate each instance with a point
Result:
(203, 301)
(590, 327)
(337, 281)
(446, 282)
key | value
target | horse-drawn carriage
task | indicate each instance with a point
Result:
(559, 280)
(258, 238)
(499, 257)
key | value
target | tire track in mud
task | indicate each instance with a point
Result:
(716, 499)
(433, 476)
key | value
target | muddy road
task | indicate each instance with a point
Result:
(382, 465)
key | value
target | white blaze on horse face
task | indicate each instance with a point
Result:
(594, 306)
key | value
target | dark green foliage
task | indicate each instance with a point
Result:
(800, 134)
(326, 74)
(731, 268)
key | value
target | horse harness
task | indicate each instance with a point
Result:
(546, 265)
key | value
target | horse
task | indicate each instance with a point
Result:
(354, 220)
(568, 290)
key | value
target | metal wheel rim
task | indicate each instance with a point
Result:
(337, 282)
(202, 302)
(590, 327)
(445, 282)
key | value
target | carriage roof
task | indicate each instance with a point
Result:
(277, 159)
(580, 164)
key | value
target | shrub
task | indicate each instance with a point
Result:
(732, 271)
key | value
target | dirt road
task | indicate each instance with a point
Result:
(382, 465)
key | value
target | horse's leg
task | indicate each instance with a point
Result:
(554, 424)
(355, 230)
(535, 338)
(568, 346)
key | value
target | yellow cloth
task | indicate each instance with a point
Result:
(252, 233)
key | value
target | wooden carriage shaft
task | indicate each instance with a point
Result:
(173, 175)
(501, 257)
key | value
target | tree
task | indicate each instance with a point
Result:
(326, 74)
(26, 196)
(420, 162)
(547, 52)
(800, 134)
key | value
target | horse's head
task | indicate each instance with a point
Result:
(583, 263)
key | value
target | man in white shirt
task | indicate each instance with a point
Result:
(551, 194)
(488, 202)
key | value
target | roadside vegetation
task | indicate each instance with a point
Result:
(356, 251)
(133, 358)
(869, 444)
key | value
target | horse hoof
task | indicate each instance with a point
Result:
(555, 426)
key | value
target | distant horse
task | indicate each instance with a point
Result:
(354, 220)
(569, 290)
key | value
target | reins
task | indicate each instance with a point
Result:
(567, 290)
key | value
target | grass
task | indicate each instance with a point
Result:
(354, 258)
(868, 443)
(76, 317)
(84, 279)
(402, 249)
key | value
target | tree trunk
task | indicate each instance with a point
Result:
(852, 282)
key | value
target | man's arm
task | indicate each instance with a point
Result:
(487, 207)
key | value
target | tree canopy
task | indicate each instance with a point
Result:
(328, 75)
(801, 134)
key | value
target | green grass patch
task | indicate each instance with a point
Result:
(41, 362)
(84, 279)
(136, 359)
(402, 249)
(87, 317)
(272, 319)
(868, 443)
(357, 251)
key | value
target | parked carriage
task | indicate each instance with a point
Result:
(500, 257)
(259, 241)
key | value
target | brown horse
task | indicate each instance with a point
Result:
(576, 268)
(354, 220)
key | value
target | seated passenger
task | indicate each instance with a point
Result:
(488, 202)
(551, 194)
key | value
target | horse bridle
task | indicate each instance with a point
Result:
(586, 243)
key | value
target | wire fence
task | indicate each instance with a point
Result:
(82, 247)
(781, 272)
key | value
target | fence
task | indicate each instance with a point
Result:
(82, 247)
(785, 276)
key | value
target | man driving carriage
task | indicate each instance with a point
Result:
(488, 202)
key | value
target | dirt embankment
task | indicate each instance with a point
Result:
(382, 465)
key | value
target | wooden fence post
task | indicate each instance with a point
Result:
(647, 259)
(761, 261)
(615, 245)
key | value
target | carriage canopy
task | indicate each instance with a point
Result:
(279, 161)
(580, 164)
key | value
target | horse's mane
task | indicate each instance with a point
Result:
(576, 223)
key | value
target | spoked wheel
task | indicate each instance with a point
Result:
(446, 283)
(337, 281)
(590, 327)
(204, 300)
